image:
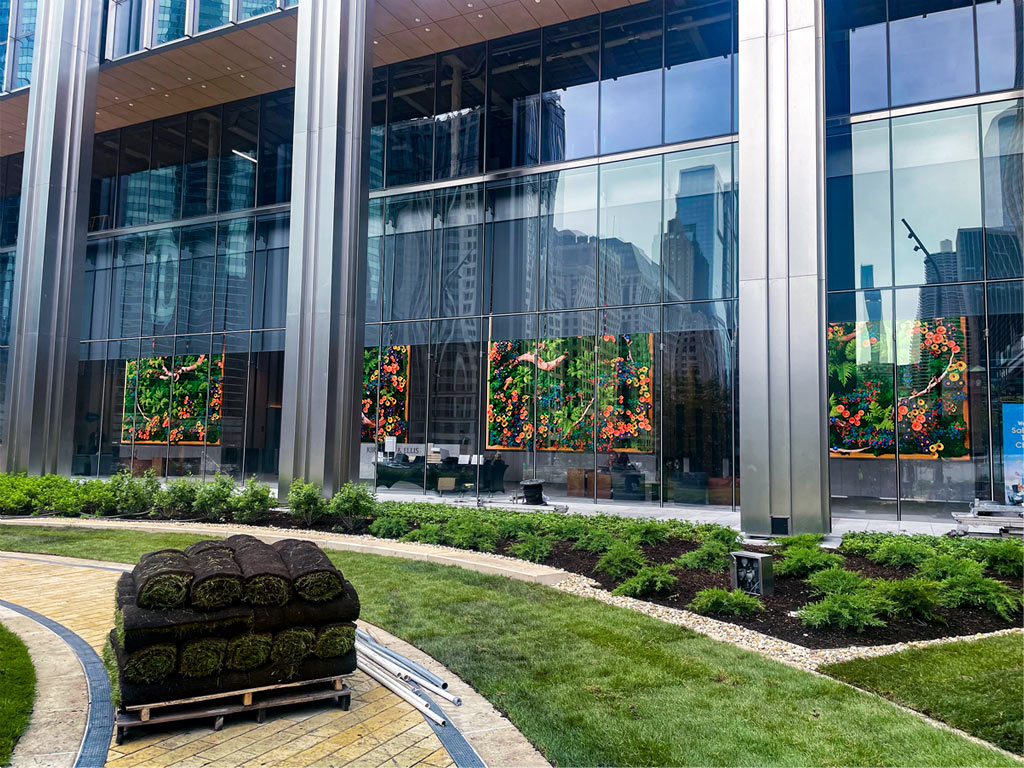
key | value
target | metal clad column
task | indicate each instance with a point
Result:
(42, 376)
(782, 382)
(330, 198)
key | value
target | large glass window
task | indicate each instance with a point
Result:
(411, 126)
(211, 14)
(104, 180)
(169, 23)
(238, 161)
(266, 393)
(249, 8)
(407, 256)
(233, 298)
(513, 118)
(459, 121)
(270, 279)
(378, 125)
(454, 405)
(700, 212)
(631, 77)
(196, 279)
(568, 259)
(1000, 37)
(512, 240)
(133, 175)
(931, 49)
(937, 197)
(630, 226)
(126, 286)
(570, 82)
(165, 177)
(160, 290)
(374, 261)
(99, 260)
(277, 113)
(202, 162)
(11, 166)
(859, 212)
(1002, 137)
(699, 49)
(127, 22)
(856, 56)
(698, 404)
(402, 408)
(458, 252)
(1006, 373)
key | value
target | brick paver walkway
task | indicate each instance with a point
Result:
(380, 729)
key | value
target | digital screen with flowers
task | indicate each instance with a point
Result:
(385, 411)
(173, 400)
(926, 416)
(557, 378)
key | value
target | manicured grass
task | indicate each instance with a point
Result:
(591, 684)
(17, 691)
(975, 686)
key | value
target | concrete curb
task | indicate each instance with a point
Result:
(481, 562)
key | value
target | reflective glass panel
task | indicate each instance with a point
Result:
(165, 177)
(12, 169)
(700, 224)
(858, 210)
(459, 121)
(941, 399)
(212, 13)
(127, 20)
(374, 256)
(202, 162)
(238, 160)
(937, 197)
(402, 411)
(249, 8)
(270, 283)
(856, 59)
(266, 393)
(133, 175)
(511, 406)
(931, 50)
(149, 394)
(698, 381)
(411, 122)
(458, 250)
(570, 82)
(126, 286)
(225, 433)
(118, 421)
(454, 405)
(861, 420)
(512, 240)
(232, 305)
(88, 409)
(1000, 44)
(99, 261)
(378, 125)
(699, 50)
(513, 119)
(1002, 141)
(196, 278)
(160, 291)
(407, 256)
(275, 161)
(1006, 372)
(170, 21)
(368, 417)
(197, 394)
(631, 77)
(104, 180)
(568, 259)
(630, 227)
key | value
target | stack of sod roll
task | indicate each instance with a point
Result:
(229, 615)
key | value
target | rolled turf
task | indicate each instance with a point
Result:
(150, 665)
(314, 577)
(216, 580)
(301, 613)
(140, 627)
(334, 640)
(293, 645)
(162, 579)
(202, 658)
(265, 577)
(248, 651)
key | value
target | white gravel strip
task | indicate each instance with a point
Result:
(780, 650)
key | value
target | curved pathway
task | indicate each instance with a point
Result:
(380, 729)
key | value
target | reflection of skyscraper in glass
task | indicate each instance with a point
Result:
(1004, 190)
(553, 124)
(697, 238)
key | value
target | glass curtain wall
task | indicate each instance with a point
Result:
(552, 344)
(924, 340)
(653, 73)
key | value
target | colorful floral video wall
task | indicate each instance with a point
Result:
(388, 415)
(930, 414)
(173, 400)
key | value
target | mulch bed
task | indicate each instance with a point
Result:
(790, 595)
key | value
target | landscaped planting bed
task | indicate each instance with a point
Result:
(877, 589)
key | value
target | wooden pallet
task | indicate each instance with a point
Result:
(257, 700)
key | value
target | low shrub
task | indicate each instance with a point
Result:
(514, 526)
(133, 495)
(912, 598)
(213, 499)
(595, 541)
(803, 561)
(727, 537)
(621, 560)
(649, 580)
(472, 533)
(530, 546)
(56, 495)
(96, 498)
(982, 592)
(807, 540)
(306, 503)
(837, 581)
(648, 532)
(176, 499)
(1003, 557)
(856, 611)
(862, 544)
(353, 505)
(15, 498)
(901, 551)
(389, 527)
(428, 533)
(942, 567)
(253, 503)
(712, 556)
(722, 601)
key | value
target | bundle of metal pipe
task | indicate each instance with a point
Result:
(402, 676)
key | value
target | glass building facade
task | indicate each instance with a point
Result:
(554, 267)
(924, 265)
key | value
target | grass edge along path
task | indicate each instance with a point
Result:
(976, 685)
(17, 691)
(592, 684)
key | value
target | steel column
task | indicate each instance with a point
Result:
(42, 374)
(326, 282)
(782, 381)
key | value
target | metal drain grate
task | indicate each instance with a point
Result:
(452, 739)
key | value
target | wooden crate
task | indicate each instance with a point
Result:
(218, 705)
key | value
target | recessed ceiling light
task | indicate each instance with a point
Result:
(469, 5)
(152, 87)
(426, 29)
(271, 58)
(374, 42)
(417, 21)
(203, 85)
(131, 104)
(166, 95)
(229, 69)
(189, 79)
(117, 98)
(479, 15)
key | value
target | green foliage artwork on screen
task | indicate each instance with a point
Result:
(929, 416)
(173, 400)
(385, 413)
(557, 377)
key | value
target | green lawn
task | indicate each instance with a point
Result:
(591, 684)
(17, 691)
(975, 686)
